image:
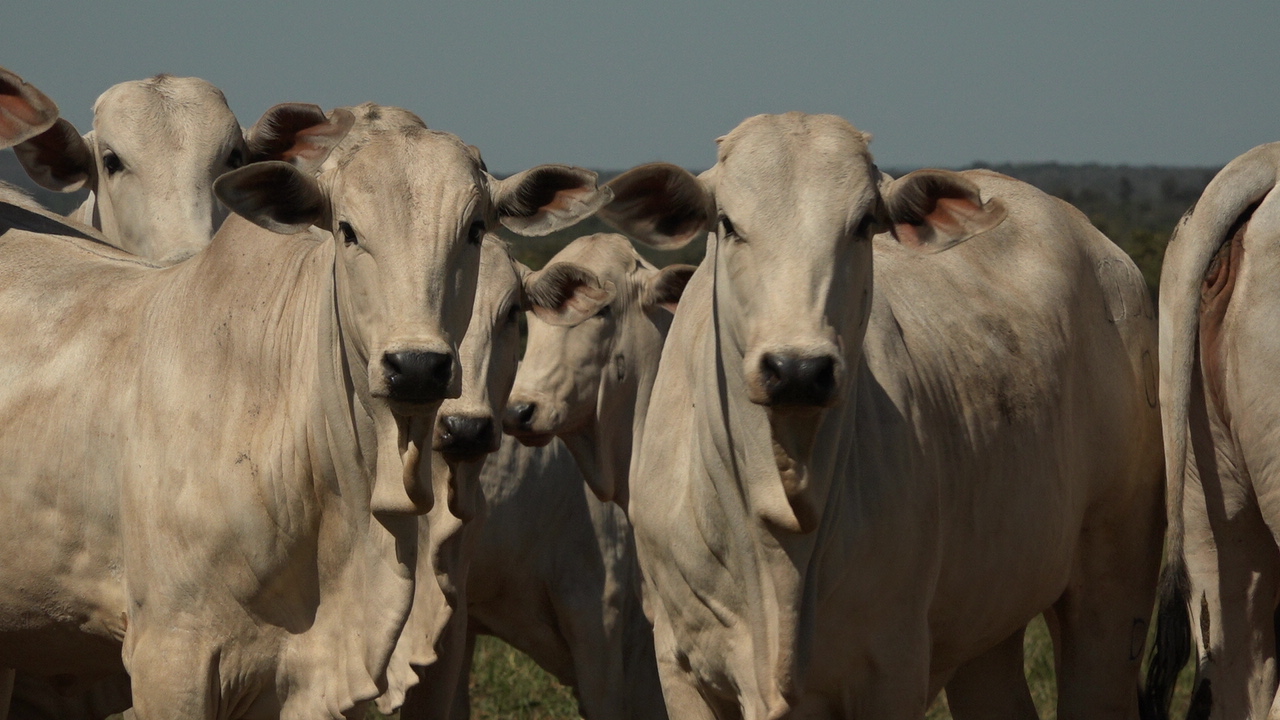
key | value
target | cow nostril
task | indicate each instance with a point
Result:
(520, 415)
(414, 376)
(798, 380)
(467, 435)
(775, 369)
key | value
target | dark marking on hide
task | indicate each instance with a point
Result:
(1137, 638)
(1003, 334)
(1124, 292)
(1215, 297)
(1149, 383)
(1204, 623)
(373, 114)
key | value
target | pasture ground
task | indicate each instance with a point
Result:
(506, 684)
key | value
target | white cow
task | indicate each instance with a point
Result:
(1218, 335)
(847, 494)
(156, 148)
(265, 564)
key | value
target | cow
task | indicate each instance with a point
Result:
(150, 162)
(589, 383)
(569, 599)
(1221, 580)
(870, 458)
(212, 471)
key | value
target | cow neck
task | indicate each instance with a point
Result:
(362, 614)
(602, 453)
(736, 448)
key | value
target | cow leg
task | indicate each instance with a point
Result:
(993, 685)
(172, 679)
(1102, 616)
(6, 691)
(438, 683)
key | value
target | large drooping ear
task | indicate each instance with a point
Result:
(24, 111)
(547, 198)
(667, 285)
(298, 133)
(932, 210)
(58, 159)
(661, 205)
(274, 195)
(566, 294)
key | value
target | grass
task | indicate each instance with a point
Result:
(507, 684)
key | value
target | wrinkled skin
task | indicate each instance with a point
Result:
(1218, 336)
(435, 634)
(850, 493)
(265, 566)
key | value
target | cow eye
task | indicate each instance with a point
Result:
(235, 159)
(348, 234)
(605, 311)
(728, 230)
(476, 232)
(111, 163)
(863, 231)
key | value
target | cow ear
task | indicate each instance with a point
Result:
(547, 198)
(565, 294)
(667, 285)
(24, 111)
(58, 159)
(931, 210)
(274, 195)
(661, 205)
(298, 133)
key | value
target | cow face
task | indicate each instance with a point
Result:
(581, 376)
(468, 427)
(407, 209)
(156, 148)
(793, 203)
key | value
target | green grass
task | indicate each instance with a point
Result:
(507, 684)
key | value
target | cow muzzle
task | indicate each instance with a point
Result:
(465, 437)
(521, 422)
(791, 379)
(416, 377)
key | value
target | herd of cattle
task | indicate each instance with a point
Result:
(248, 389)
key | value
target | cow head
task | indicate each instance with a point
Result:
(407, 209)
(584, 373)
(24, 111)
(794, 201)
(469, 427)
(157, 146)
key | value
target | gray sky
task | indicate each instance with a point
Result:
(610, 85)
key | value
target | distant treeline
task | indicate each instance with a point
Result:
(1137, 207)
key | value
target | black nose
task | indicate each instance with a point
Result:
(798, 380)
(465, 435)
(519, 415)
(418, 377)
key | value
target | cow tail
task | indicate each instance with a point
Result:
(1240, 185)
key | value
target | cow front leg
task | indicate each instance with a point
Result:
(993, 685)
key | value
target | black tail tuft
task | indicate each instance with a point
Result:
(1172, 645)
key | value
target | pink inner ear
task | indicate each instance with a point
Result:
(950, 215)
(907, 234)
(565, 199)
(20, 108)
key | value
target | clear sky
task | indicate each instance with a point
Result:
(610, 84)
